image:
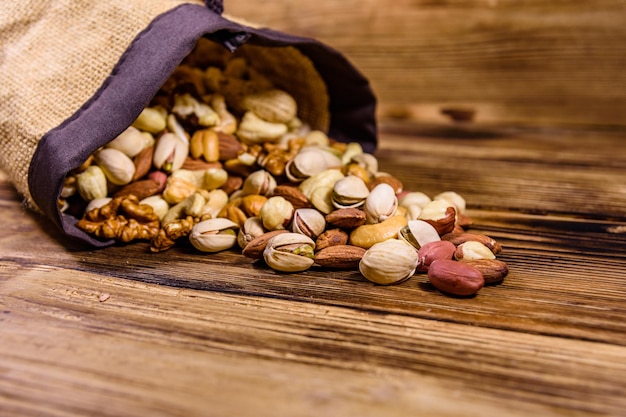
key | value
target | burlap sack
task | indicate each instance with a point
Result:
(75, 74)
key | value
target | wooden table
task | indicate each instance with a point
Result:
(122, 332)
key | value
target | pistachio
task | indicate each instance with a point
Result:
(309, 161)
(170, 152)
(349, 192)
(389, 262)
(418, 233)
(380, 204)
(454, 199)
(308, 222)
(259, 182)
(250, 230)
(316, 138)
(117, 167)
(273, 105)
(352, 149)
(414, 198)
(367, 161)
(92, 183)
(276, 213)
(289, 252)
(214, 235)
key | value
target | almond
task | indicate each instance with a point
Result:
(493, 270)
(229, 146)
(199, 164)
(143, 162)
(339, 257)
(331, 237)
(140, 189)
(459, 238)
(293, 195)
(347, 218)
(254, 249)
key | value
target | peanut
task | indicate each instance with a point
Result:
(455, 278)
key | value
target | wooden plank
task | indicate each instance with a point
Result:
(531, 61)
(159, 350)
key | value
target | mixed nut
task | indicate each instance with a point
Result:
(220, 158)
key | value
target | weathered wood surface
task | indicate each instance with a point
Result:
(526, 61)
(121, 332)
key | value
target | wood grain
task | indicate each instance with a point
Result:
(530, 61)
(123, 332)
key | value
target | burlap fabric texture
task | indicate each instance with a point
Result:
(75, 74)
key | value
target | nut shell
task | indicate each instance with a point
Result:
(389, 262)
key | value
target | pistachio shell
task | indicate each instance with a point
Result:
(118, 168)
(214, 235)
(380, 204)
(250, 230)
(389, 262)
(309, 222)
(272, 105)
(170, 152)
(349, 192)
(131, 142)
(418, 233)
(289, 252)
(454, 199)
(310, 160)
(92, 183)
(414, 198)
(259, 182)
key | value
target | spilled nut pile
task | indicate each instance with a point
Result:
(221, 159)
